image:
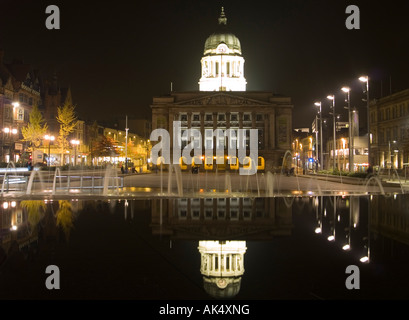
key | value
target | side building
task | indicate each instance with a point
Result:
(389, 125)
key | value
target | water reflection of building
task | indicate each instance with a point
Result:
(17, 229)
(221, 218)
(389, 217)
(222, 265)
(221, 225)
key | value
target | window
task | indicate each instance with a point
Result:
(259, 117)
(247, 117)
(209, 117)
(221, 117)
(183, 117)
(234, 117)
(260, 139)
(395, 133)
(30, 101)
(196, 117)
(228, 68)
(20, 114)
(7, 112)
(388, 134)
(217, 68)
(21, 97)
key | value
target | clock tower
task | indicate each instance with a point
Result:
(222, 62)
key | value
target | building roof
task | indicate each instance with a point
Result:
(222, 35)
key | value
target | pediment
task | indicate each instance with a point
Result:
(222, 99)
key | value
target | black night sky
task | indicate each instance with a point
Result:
(117, 55)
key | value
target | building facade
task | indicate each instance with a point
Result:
(19, 92)
(223, 103)
(389, 125)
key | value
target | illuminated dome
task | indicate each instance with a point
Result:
(222, 36)
(222, 62)
(212, 42)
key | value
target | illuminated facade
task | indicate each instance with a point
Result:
(222, 103)
(222, 62)
(390, 131)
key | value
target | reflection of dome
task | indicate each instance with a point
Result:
(222, 288)
(222, 35)
(222, 266)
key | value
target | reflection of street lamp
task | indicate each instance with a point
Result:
(49, 138)
(332, 97)
(75, 143)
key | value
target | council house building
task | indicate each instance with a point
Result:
(222, 102)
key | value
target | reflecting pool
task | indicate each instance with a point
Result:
(206, 248)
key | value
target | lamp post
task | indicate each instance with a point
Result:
(332, 98)
(390, 166)
(350, 131)
(8, 130)
(11, 131)
(126, 144)
(365, 79)
(321, 162)
(75, 143)
(49, 138)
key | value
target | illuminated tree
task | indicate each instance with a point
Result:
(105, 147)
(65, 217)
(35, 210)
(67, 119)
(35, 129)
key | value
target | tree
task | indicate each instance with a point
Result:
(105, 147)
(35, 129)
(92, 138)
(67, 119)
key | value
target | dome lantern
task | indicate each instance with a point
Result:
(222, 62)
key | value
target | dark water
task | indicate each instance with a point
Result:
(149, 249)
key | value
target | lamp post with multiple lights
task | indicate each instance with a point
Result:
(350, 131)
(365, 79)
(332, 98)
(321, 160)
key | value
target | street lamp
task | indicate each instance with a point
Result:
(126, 144)
(350, 140)
(49, 138)
(366, 80)
(11, 131)
(332, 98)
(75, 143)
(390, 157)
(321, 161)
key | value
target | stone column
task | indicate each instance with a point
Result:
(271, 130)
